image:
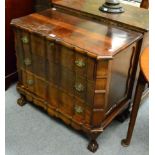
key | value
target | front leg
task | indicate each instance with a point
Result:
(93, 145)
(21, 101)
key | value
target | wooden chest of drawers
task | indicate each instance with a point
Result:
(77, 70)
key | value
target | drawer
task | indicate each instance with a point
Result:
(68, 105)
(70, 59)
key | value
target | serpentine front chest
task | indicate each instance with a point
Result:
(78, 70)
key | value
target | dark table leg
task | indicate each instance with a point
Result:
(139, 91)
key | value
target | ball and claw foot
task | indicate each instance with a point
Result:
(21, 101)
(93, 146)
(124, 143)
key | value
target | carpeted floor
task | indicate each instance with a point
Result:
(32, 132)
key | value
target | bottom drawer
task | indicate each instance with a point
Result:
(68, 105)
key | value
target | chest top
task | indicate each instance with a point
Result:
(133, 18)
(95, 39)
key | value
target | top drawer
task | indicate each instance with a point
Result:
(68, 58)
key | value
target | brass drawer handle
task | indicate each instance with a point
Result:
(80, 63)
(25, 40)
(30, 82)
(78, 109)
(27, 62)
(79, 87)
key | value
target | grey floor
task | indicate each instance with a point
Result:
(31, 132)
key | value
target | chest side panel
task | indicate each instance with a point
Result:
(121, 69)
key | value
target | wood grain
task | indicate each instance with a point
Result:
(133, 17)
(96, 39)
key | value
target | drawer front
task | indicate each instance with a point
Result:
(68, 105)
(68, 58)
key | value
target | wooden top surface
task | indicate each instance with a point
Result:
(133, 17)
(144, 63)
(101, 41)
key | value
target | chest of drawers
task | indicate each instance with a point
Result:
(75, 69)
